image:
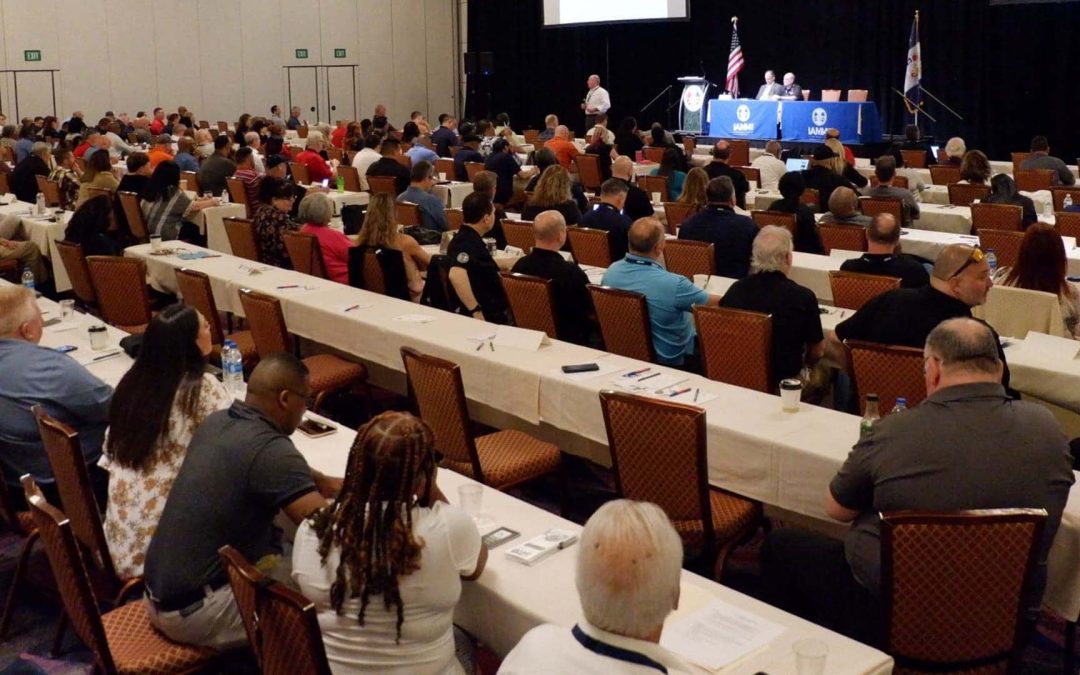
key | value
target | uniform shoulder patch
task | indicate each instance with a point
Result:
(463, 258)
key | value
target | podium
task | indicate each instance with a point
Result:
(692, 104)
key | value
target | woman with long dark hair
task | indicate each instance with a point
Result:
(89, 227)
(1041, 266)
(167, 207)
(384, 563)
(156, 408)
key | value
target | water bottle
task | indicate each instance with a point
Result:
(39, 204)
(1049, 210)
(1067, 202)
(341, 184)
(232, 364)
(901, 405)
(991, 260)
(866, 426)
(225, 196)
(28, 278)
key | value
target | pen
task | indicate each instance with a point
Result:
(491, 345)
(696, 392)
(210, 256)
(349, 309)
(635, 373)
(650, 376)
(105, 356)
(480, 345)
(707, 280)
(677, 393)
(288, 286)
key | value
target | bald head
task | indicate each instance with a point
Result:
(843, 202)
(622, 167)
(961, 351)
(279, 387)
(646, 237)
(722, 151)
(950, 260)
(883, 234)
(549, 229)
(774, 148)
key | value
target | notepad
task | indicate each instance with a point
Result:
(519, 338)
(415, 318)
(1050, 347)
(719, 634)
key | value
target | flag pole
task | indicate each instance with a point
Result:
(917, 41)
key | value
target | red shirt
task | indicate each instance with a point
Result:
(318, 168)
(565, 151)
(335, 251)
(251, 181)
(337, 137)
(81, 150)
(157, 127)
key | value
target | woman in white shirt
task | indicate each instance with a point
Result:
(386, 586)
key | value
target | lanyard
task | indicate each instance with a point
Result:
(611, 651)
(639, 261)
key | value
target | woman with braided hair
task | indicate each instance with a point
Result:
(384, 563)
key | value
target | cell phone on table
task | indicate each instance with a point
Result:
(315, 428)
(64, 349)
(497, 537)
(326, 182)
(580, 368)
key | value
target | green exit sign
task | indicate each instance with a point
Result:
(301, 53)
(339, 53)
(32, 55)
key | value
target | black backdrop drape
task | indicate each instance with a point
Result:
(1011, 71)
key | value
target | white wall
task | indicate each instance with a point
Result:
(224, 57)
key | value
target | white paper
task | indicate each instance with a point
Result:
(90, 357)
(649, 381)
(719, 634)
(415, 318)
(713, 284)
(1050, 347)
(519, 338)
(514, 251)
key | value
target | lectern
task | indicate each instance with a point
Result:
(692, 104)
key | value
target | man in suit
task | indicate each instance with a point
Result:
(771, 89)
(792, 91)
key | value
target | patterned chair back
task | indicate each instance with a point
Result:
(50, 189)
(473, 169)
(195, 289)
(305, 253)
(1033, 180)
(687, 257)
(997, 217)
(1058, 196)
(532, 302)
(519, 233)
(914, 159)
(1018, 158)
(192, 179)
(851, 290)
(740, 152)
(1006, 245)
(300, 173)
(750, 173)
(241, 234)
(292, 640)
(590, 246)
(136, 221)
(408, 214)
(962, 194)
(385, 184)
(120, 287)
(736, 347)
(653, 154)
(379, 271)
(1067, 223)
(778, 218)
(266, 322)
(842, 237)
(351, 176)
(871, 206)
(888, 371)
(943, 174)
(657, 184)
(446, 166)
(5, 184)
(247, 584)
(237, 193)
(676, 213)
(624, 322)
(588, 168)
(78, 272)
(455, 218)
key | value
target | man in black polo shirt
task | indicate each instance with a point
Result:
(797, 339)
(881, 258)
(388, 165)
(474, 274)
(445, 137)
(719, 167)
(732, 235)
(568, 281)
(504, 165)
(469, 153)
(608, 215)
(638, 204)
(239, 471)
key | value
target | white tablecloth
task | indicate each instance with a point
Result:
(453, 193)
(44, 233)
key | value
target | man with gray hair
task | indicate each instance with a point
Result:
(597, 101)
(797, 339)
(966, 446)
(608, 215)
(254, 141)
(629, 566)
(318, 168)
(572, 304)
(730, 233)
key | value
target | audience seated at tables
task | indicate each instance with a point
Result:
(168, 209)
(1042, 266)
(161, 150)
(822, 176)
(669, 168)
(253, 140)
(849, 156)
(319, 169)
(792, 185)
(157, 406)
(545, 158)
(504, 164)
(271, 219)
(66, 176)
(240, 462)
(638, 204)
(89, 227)
(138, 173)
(974, 168)
(797, 339)
(967, 446)
(380, 231)
(608, 215)
(955, 149)
(563, 147)
(731, 234)
(295, 121)
(693, 192)
(553, 192)
(432, 209)
(669, 296)
(24, 146)
(769, 166)
(551, 122)
(885, 170)
(217, 167)
(628, 141)
(446, 136)
(470, 152)
(1003, 191)
(844, 208)
(316, 210)
(118, 145)
(417, 118)
(384, 562)
(1040, 158)
(719, 167)
(246, 173)
(368, 155)
(36, 375)
(843, 167)
(883, 256)
(601, 145)
(913, 141)
(419, 152)
(629, 567)
(204, 143)
(23, 179)
(388, 165)
(486, 182)
(185, 156)
(98, 174)
(474, 273)
(600, 129)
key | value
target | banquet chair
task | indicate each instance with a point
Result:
(444, 165)
(50, 189)
(740, 153)
(237, 193)
(1067, 223)
(735, 346)
(812, 198)
(302, 132)
(782, 219)
(1004, 243)
(963, 194)
(657, 184)
(407, 213)
(455, 218)
(136, 220)
(897, 181)
(997, 217)
(943, 174)
(1058, 193)
(333, 153)
(21, 522)
(888, 371)
(378, 270)
(588, 171)
(195, 289)
(122, 640)
(1012, 312)
(710, 521)
(120, 287)
(242, 241)
(830, 95)
(71, 255)
(1033, 180)
(871, 206)
(806, 94)
(952, 588)
(247, 584)
(530, 135)
(532, 302)
(914, 159)
(686, 257)
(653, 154)
(852, 290)
(590, 245)
(624, 322)
(330, 374)
(300, 173)
(222, 126)
(5, 184)
(842, 237)
(351, 176)
(676, 213)
(519, 233)
(857, 95)
(750, 173)
(204, 124)
(1018, 158)
(473, 169)
(192, 181)
(305, 253)
(503, 459)
(385, 184)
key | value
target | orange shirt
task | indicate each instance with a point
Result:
(158, 156)
(565, 152)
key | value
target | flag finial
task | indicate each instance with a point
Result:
(735, 19)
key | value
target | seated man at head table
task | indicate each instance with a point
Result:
(609, 216)
(629, 564)
(883, 258)
(731, 234)
(572, 304)
(885, 170)
(771, 89)
(844, 209)
(67, 391)
(241, 469)
(719, 167)
(792, 91)
(966, 446)
(474, 273)
(669, 296)
(797, 339)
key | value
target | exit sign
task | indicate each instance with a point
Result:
(32, 55)
(301, 53)
(339, 53)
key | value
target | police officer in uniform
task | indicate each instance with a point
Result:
(474, 274)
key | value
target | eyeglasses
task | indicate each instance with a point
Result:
(977, 256)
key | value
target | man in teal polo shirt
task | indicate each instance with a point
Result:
(669, 296)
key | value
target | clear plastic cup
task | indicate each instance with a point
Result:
(67, 310)
(810, 656)
(790, 393)
(471, 499)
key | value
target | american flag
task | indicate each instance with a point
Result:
(734, 63)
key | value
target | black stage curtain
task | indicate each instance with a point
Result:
(1010, 71)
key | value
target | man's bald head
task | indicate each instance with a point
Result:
(550, 228)
(961, 351)
(843, 202)
(646, 236)
(722, 151)
(950, 260)
(279, 387)
(622, 167)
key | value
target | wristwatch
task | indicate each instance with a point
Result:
(474, 310)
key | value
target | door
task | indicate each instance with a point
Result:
(303, 82)
(340, 93)
(35, 93)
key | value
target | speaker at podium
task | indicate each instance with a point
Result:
(692, 104)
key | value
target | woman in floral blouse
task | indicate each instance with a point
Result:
(156, 408)
(271, 219)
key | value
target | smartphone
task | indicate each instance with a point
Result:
(315, 428)
(326, 182)
(498, 537)
(64, 349)
(580, 368)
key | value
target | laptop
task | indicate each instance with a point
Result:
(934, 151)
(796, 164)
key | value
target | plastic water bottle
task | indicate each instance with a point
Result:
(225, 196)
(870, 416)
(1067, 202)
(341, 183)
(991, 260)
(39, 204)
(232, 364)
(28, 278)
(1049, 209)
(901, 405)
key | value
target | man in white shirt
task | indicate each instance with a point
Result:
(597, 101)
(254, 141)
(629, 562)
(366, 157)
(771, 89)
(770, 166)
